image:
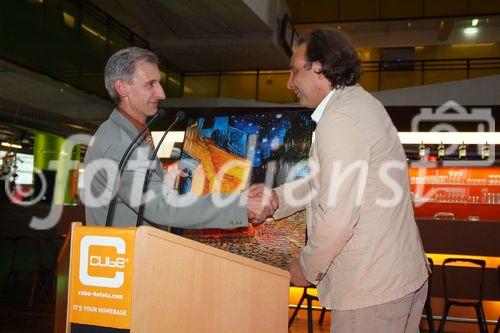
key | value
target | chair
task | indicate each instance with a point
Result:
(309, 298)
(45, 273)
(497, 326)
(14, 272)
(427, 306)
(476, 304)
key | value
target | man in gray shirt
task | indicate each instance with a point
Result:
(132, 79)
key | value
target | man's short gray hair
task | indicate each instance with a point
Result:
(121, 66)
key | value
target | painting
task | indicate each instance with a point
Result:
(225, 154)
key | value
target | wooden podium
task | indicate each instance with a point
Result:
(147, 280)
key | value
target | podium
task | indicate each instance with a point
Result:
(147, 280)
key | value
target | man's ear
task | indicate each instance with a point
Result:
(121, 88)
(316, 67)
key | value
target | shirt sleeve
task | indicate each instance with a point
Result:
(167, 207)
(343, 154)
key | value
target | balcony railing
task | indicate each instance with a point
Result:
(270, 86)
(383, 75)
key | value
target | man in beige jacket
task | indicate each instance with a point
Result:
(364, 251)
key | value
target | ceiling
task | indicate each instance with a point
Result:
(404, 33)
(207, 35)
(47, 104)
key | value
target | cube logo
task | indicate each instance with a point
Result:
(117, 264)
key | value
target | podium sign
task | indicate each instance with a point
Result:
(100, 290)
(147, 280)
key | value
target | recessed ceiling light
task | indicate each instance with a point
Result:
(471, 31)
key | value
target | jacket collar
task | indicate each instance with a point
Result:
(330, 99)
(318, 112)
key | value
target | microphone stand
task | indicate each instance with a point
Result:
(178, 117)
(121, 166)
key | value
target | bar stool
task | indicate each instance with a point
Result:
(476, 304)
(427, 306)
(309, 298)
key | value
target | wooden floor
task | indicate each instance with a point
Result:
(300, 325)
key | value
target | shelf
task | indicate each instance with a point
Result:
(454, 202)
(455, 184)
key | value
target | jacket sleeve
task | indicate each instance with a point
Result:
(166, 207)
(293, 197)
(343, 154)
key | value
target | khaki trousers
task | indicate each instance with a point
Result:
(399, 316)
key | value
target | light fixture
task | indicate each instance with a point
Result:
(11, 145)
(462, 151)
(475, 22)
(471, 31)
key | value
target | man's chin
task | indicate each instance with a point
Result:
(305, 103)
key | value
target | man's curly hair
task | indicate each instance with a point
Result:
(333, 49)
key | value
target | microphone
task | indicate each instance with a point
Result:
(178, 117)
(111, 209)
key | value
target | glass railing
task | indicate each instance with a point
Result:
(270, 86)
(384, 75)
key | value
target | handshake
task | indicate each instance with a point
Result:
(262, 202)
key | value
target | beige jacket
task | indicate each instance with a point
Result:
(362, 249)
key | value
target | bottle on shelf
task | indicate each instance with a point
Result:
(440, 151)
(485, 151)
(421, 150)
(462, 151)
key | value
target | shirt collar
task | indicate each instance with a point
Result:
(318, 112)
(137, 124)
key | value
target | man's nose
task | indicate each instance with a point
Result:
(160, 93)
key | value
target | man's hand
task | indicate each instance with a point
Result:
(297, 277)
(261, 203)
